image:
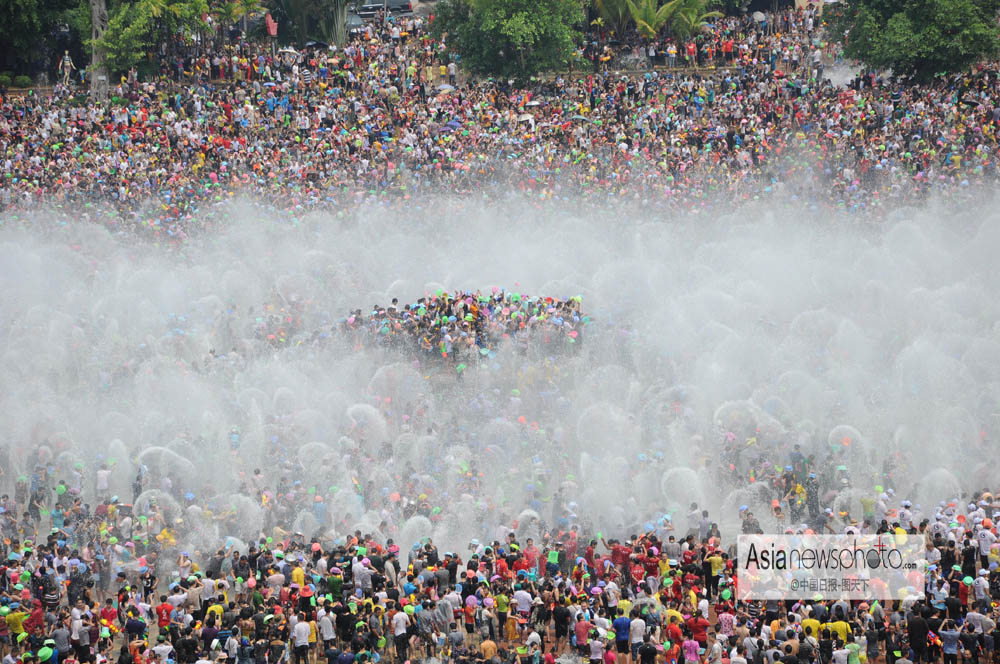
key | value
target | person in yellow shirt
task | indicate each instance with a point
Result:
(313, 637)
(838, 627)
(216, 609)
(813, 626)
(298, 575)
(15, 621)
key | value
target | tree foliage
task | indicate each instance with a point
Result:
(690, 17)
(27, 32)
(510, 38)
(33, 33)
(134, 28)
(302, 20)
(614, 14)
(650, 16)
(919, 38)
(682, 19)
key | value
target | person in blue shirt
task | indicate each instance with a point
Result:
(949, 641)
(621, 626)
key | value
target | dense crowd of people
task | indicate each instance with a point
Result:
(463, 325)
(747, 113)
(97, 579)
(741, 112)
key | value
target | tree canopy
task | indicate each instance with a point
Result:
(919, 38)
(510, 38)
(33, 33)
(29, 31)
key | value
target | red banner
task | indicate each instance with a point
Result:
(272, 26)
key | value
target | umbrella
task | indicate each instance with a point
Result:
(270, 84)
(290, 51)
(446, 88)
(534, 102)
(524, 117)
(312, 44)
(759, 17)
(579, 117)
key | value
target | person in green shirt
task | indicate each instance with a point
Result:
(503, 607)
(853, 649)
(335, 584)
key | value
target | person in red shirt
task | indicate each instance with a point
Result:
(699, 628)
(572, 542)
(531, 552)
(501, 569)
(638, 573)
(588, 554)
(651, 561)
(963, 594)
(619, 553)
(672, 592)
(582, 629)
(470, 619)
(163, 611)
(674, 633)
(521, 564)
(109, 613)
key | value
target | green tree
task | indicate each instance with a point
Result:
(302, 20)
(650, 16)
(690, 17)
(26, 28)
(332, 24)
(128, 38)
(134, 28)
(919, 38)
(510, 38)
(614, 14)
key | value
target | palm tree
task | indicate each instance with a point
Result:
(231, 12)
(332, 23)
(650, 17)
(614, 14)
(690, 18)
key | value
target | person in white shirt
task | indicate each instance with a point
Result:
(613, 593)
(523, 600)
(300, 640)
(985, 538)
(981, 588)
(326, 630)
(400, 625)
(636, 632)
